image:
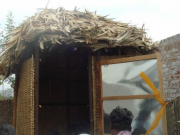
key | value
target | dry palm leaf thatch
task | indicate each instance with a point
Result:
(71, 27)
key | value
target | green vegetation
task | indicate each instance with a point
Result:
(9, 26)
(4, 37)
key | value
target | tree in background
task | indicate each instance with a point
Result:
(1, 37)
(9, 26)
(4, 37)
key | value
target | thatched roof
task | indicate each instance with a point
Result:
(70, 28)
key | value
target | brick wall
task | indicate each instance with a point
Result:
(170, 50)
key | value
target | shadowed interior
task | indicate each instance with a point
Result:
(63, 89)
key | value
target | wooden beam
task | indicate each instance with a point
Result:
(90, 92)
(15, 100)
(147, 96)
(161, 89)
(65, 104)
(36, 92)
(99, 88)
(160, 76)
(129, 59)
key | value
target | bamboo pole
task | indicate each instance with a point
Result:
(90, 92)
(15, 101)
(36, 92)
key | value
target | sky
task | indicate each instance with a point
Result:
(161, 17)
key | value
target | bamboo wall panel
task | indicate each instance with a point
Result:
(52, 91)
(95, 96)
(6, 111)
(25, 101)
(173, 116)
(52, 117)
(177, 103)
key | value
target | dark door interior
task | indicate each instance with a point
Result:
(63, 91)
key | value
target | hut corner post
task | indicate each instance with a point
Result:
(98, 59)
(15, 100)
(36, 92)
(90, 92)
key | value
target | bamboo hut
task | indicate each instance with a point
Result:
(61, 58)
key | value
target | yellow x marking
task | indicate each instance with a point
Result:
(158, 98)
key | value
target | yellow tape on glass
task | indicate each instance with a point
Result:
(158, 98)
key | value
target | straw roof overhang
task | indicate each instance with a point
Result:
(71, 27)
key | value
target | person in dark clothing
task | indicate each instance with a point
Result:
(6, 129)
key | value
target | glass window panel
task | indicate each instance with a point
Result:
(123, 78)
(144, 111)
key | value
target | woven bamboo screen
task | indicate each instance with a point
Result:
(95, 96)
(25, 100)
(52, 117)
(173, 116)
(6, 111)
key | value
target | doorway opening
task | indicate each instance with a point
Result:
(63, 90)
